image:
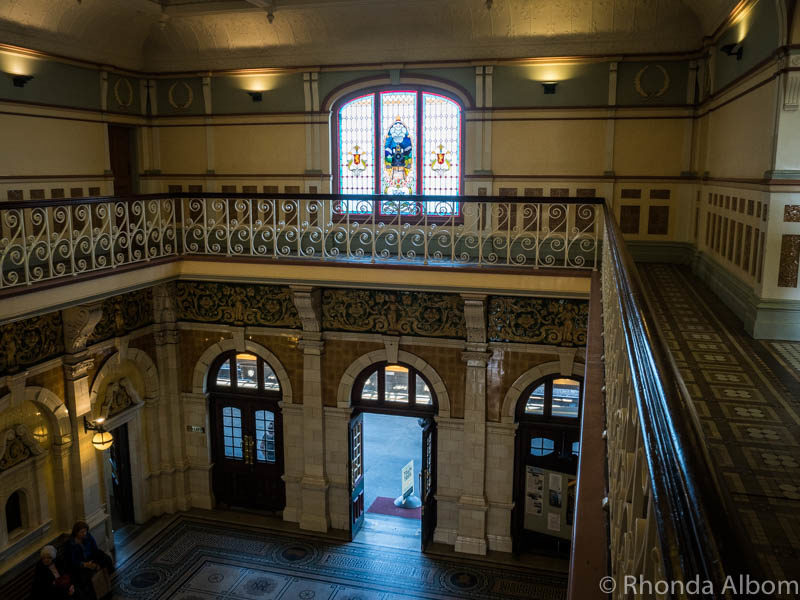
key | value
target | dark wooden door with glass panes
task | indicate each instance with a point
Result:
(247, 433)
(356, 474)
(427, 477)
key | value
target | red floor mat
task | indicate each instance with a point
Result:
(385, 506)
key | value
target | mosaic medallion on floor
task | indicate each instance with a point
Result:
(198, 559)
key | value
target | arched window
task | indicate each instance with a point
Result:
(394, 388)
(243, 374)
(553, 398)
(399, 142)
(14, 519)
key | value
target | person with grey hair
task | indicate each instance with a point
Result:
(50, 579)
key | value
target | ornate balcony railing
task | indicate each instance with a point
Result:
(669, 521)
(46, 240)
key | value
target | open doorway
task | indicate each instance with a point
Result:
(392, 458)
(119, 483)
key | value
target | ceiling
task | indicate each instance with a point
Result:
(165, 35)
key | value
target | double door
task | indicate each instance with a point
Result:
(427, 477)
(248, 452)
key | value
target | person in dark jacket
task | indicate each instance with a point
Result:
(51, 580)
(85, 557)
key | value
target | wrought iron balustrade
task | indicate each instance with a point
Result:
(46, 240)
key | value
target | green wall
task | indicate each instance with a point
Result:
(284, 93)
(578, 85)
(55, 83)
(651, 81)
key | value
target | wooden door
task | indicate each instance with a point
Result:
(428, 479)
(121, 482)
(248, 457)
(356, 474)
(119, 149)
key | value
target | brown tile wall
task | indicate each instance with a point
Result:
(52, 379)
(502, 371)
(451, 368)
(338, 356)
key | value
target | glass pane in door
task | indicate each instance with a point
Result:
(232, 432)
(265, 436)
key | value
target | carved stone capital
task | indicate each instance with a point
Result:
(475, 317)
(165, 336)
(313, 347)
(476, 359)
(77, 368)
(308, 303)
(392, 345)
(79, 323)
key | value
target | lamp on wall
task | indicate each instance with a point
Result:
(20, 80)
(733, 50)
(255, 96)
(549, 86)
(102, 439)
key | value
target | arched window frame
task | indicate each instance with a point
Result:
(234, 388)
(547, 416)
(384, 406)
(377, 157)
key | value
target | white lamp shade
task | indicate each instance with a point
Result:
(102, 440)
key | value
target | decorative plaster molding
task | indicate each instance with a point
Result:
(307, 302)
(79, 324)
(791, 92)
(475, 317)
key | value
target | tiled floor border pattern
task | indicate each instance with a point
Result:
(197, 559)
(750, 420)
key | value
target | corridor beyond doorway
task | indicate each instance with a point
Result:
(390, 443)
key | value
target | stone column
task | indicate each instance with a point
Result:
(500, 484)
(174, 460)
(314, 484)
(84, 467)
(472, 505)
(293, 460)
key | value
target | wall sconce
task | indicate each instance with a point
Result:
(101, 440)
(549, 86)
(733, 50)
(256, 96)
(20, 80)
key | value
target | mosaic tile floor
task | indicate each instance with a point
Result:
(788, 353)
(749, 407)
(193, 558)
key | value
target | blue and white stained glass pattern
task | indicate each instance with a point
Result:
(441, 152)
(265, 436)
(542, 446)
(398, 126)
(357, 150)
(232, 432)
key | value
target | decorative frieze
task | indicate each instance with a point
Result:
(394, 312)
(29, 342)
(558, 322)
(123, 314)
(235, 304)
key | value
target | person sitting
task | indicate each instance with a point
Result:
(85, 557)
(50, 579)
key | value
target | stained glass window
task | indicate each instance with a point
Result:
(398, 143)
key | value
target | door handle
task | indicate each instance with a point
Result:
(247, 449)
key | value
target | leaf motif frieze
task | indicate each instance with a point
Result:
(394, 312)
(236, 304)
(30, 341)
(123, 314)
(553, 321)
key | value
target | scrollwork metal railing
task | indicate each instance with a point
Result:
(47, 240)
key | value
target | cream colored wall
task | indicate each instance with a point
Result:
(42, 146)
(649, 147)
(183, 149)
(740, 135)
(260, 149)
(552, 147)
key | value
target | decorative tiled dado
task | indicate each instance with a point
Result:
(28, 342)
(658, 220)
(408, 313)
(629, 218)
(631, 194)
(538, 320)
(659, 194)
(790, 261)
(236, 304)
(791, 213)
(123, 314)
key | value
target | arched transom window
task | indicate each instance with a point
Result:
(400, 142)
(243, 373)
(394, 388)
(553, 398)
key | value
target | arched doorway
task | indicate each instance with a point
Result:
(401, 390)
(246, 432)
(546, 464)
